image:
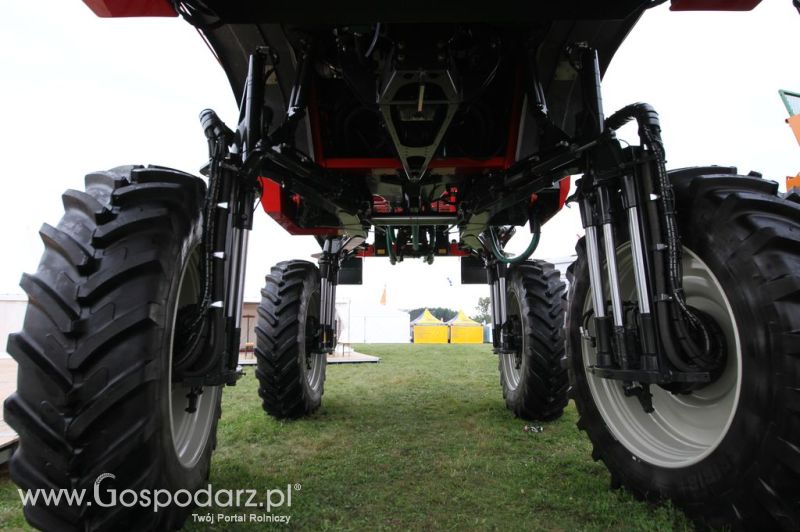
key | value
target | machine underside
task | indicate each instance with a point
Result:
(403, 125)
(384, 136)
(387, 138)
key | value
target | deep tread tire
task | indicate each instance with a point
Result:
(93, 352)
(750, 238)
(541, 393)
(288, 300)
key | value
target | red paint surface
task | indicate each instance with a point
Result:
(131, 8)
(282, 207)
(563, 191)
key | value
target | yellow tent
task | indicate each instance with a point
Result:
(464, 330)
(429, 330)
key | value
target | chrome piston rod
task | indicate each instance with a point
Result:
(493, 300)
(595, 277)
(637, 251)
(613, 274)
(323, 301)
(501, 299)
(331, 304)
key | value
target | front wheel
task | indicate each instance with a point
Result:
(728, 453)
(95, 399)
(291, 369)
(533, 381)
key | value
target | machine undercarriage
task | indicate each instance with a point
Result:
(442, 118)
(385, 137)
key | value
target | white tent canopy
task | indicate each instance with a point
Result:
(371, 323)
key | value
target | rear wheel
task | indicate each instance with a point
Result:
(291, 371)
(533, 381)
(95, 393)
(729, 452)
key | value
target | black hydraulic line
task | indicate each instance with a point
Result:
(207, 328)
(663, 306)
(196, 328)
(219, 137)
(374, 41)
(671, 294)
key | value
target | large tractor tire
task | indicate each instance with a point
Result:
(533, 380)
(94, 390)
(291, 374)
(727, 453)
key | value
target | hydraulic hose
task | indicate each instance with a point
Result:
(498, 252)
(650, 134)
(390, 244)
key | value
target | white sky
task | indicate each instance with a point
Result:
(79, 93)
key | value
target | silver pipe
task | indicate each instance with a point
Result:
(414, 220)
(233, 268)
(493, 298)
(501, 292)
(595, 279)
(613, 274)
(323, 301)
(332, 305)
(638, 261)
(244, 237)
(328, 316)
(327, 303)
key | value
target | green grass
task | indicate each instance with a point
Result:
(420, 441)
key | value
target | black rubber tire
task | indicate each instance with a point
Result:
(750, 239)
(534, 293)
(93, 355)
(288, 301)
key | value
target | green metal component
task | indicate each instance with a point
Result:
(791, 100)
(499, 255)
(390, 240)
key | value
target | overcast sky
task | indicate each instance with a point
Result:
(80, 93)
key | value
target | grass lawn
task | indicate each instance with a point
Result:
(420, 441)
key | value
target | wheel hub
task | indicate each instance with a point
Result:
(192, 410)
(512, 344)
(684, 427)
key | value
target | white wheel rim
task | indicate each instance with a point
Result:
(684, 429)
(314, 374)
(313, 363)
(190, 431)
(509, 369)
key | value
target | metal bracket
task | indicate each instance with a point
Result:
(406, 100)
(329, 274)
(496, 275)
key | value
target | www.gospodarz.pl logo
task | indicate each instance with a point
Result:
(157, 499)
